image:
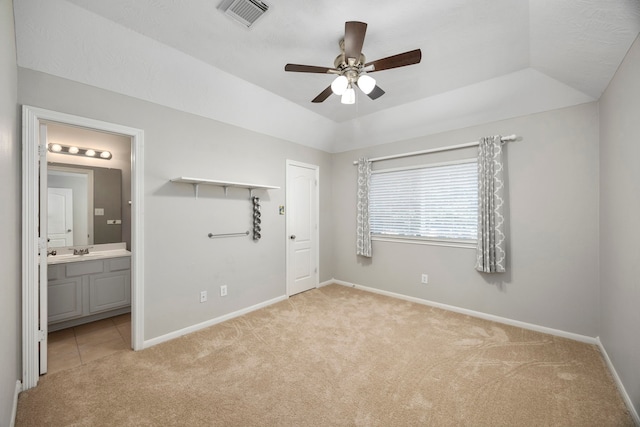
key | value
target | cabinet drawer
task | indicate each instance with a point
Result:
(117, 264)
(84, 267)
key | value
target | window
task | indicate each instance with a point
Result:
(436, 202)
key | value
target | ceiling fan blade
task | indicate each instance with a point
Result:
(354, 33)
(395, 61)
(323, 95)
(309, 69)
(376, 93)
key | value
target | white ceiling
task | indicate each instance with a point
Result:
(482, 60)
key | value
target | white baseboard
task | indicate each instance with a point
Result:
(197, 327)
(616, 378)
(326, 282)
(14, 410)
(479, 314)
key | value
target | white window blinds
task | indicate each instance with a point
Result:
(430, 202)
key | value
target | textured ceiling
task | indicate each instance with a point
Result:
(569, 47)
(463, 42)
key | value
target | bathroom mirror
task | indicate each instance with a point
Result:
(84, 205)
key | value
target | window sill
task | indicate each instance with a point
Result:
(424, 241)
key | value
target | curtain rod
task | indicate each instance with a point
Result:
(435, 150)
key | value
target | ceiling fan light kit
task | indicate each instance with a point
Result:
(366, 83)
(352, 68)
(339, 85)
(349, 96)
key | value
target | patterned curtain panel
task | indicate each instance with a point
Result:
(490, 254)
(363, 233)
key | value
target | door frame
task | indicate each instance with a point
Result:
(32, 117)
(288, 231)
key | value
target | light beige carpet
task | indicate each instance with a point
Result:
(336, 356)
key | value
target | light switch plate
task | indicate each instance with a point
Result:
(99, 211)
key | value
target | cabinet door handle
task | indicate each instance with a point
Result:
(292, 237)
(69, 231)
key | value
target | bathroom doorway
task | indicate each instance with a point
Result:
(121, 230)
(88, 207)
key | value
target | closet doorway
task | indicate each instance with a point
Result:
(88, 232)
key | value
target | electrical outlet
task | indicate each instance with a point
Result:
(223, 290)
(425, 278)
(203, 296)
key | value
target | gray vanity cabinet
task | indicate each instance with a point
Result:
(111, 289)
(84, 291)
(65, 299)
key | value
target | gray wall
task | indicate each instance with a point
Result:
(620, 222)
(107, 194)
(552, 277)
(10, 190)
(180, 260)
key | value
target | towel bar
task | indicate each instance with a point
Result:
(213, 236)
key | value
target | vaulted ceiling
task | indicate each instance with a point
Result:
(482, 60)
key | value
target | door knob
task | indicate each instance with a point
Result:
(292, 237)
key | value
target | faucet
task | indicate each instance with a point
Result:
(83, 251)
(52, 253)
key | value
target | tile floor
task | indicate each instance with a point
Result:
(72, 347)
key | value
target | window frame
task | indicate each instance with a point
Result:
(423, 240)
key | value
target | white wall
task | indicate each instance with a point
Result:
(552, 277)
(10, 190)
(619, 222)
(180, 260)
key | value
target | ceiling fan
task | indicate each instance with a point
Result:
(352, 69)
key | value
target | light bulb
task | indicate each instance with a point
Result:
(73, 150)
(90, 153)
(105, 155)
(349, 96)
(366, 83)
(339, 85)
(56, 148)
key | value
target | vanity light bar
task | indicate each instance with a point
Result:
(77, 151)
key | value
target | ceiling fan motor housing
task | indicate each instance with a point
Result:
(351, 72)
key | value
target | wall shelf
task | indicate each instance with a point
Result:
(224, 184)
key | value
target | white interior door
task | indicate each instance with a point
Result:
(60, 217)
(42, 245)
(302, 227)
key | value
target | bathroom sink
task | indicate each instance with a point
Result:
(110, 250)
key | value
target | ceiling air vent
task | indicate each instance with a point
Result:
(246, 11)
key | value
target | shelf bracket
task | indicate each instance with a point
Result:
(251, 192)
(195, 188)
(226, 190)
